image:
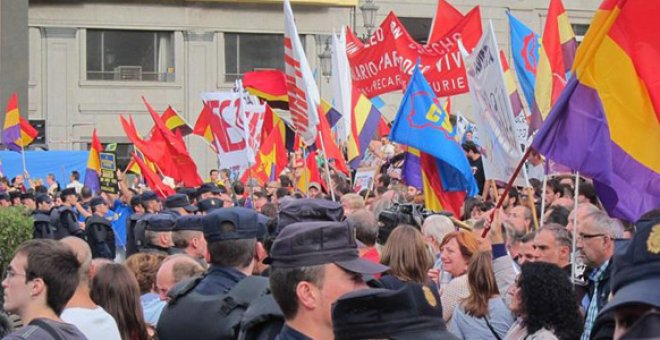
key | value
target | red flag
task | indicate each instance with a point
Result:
(152, 179)
(175, 122)
(270, 161)
(446, 17)
(383, 127)
(331, 148)
(176, 150)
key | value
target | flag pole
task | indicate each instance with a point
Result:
(545, 183)
(23, 157)
(506, 191)
(327, 167)
(575, 213)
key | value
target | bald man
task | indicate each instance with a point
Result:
(174, 269)
(81, 311)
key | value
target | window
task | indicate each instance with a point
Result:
(246, 52)
(130, 55)
(580, 30)
(418, 28)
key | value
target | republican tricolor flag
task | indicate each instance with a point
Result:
(606, 124)
(94, 164)
(17, 132)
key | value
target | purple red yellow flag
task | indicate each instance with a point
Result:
(606, 124)
(17, 132)
(365, 122)
(94, 164)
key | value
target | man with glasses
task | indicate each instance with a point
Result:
(39, 282)
(595, 240)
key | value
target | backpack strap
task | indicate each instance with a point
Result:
(244, 292)
(492, 330)
(47, 328)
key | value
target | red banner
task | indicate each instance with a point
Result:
(385, 62)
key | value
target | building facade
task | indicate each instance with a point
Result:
(90, 61)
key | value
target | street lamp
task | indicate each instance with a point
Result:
(326, 61)
(369, 10)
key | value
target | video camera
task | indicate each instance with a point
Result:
(400, 213)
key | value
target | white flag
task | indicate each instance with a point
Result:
(341, 85)
(303, 94)
(492, 110)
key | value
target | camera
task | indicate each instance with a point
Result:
(409, 213)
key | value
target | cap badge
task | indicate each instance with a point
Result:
(653, 243)
(430, 298)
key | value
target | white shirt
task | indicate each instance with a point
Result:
(94, 323)
(387, 151)
(76, 185)
(537, 171)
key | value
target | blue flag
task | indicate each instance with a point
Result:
(423, 124)
(525, 46)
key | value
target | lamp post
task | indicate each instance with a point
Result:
(326, 61)
(369, 10)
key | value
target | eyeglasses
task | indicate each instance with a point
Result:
(10, 274)
(582, 236)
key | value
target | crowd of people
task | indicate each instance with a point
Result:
(253, 260)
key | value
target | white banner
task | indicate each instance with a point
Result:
(342, 87)
(492, 110)
(232, 136)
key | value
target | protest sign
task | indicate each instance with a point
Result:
(108, 177)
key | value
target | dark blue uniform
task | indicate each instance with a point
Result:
(219, 280)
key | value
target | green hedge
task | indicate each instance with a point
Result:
(15, 228)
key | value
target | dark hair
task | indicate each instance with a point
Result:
(86, 192)
(566, 190)
(385, 180)
(270, 210)
(558, 215)
(366, 226)
(239, 189)
(553, 184)
(232, 253)
(284, 281)
(212, 171)
(470, 146)
(587, 189)
(281, 192)
(55, 264)
(285, 181)
(116, 290)
(555, 309)
(75, 174)
(469, 204)
(529, 237)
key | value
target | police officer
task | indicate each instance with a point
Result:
(131, 221)
(27, 199)
(99, 232)
(5, 200)
(65, 216)
(41, 216)
(179, 205)
(158, 234)
(188, 237)
(312, 265)
(412, 312)
(233, 251)
(207, 205)
(207, 190)
(151, 205)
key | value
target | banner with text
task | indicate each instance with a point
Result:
(492, 110)
(385, 63)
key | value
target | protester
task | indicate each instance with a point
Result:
(81, 311)
(408, 258)
(366, 232)
(309, 273)
(115, 289)
(174, 269)
(457, 249)
(144, 267)
(41, 278)
(552, 244)
(542, 297)
(483, 314)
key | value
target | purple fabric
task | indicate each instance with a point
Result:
(9, 137)
(367, 133)
(576, 134)
(412, 171)
(92, 180)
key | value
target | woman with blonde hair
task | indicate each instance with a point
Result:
(457, 249)
(483, 314)
(408, 257)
